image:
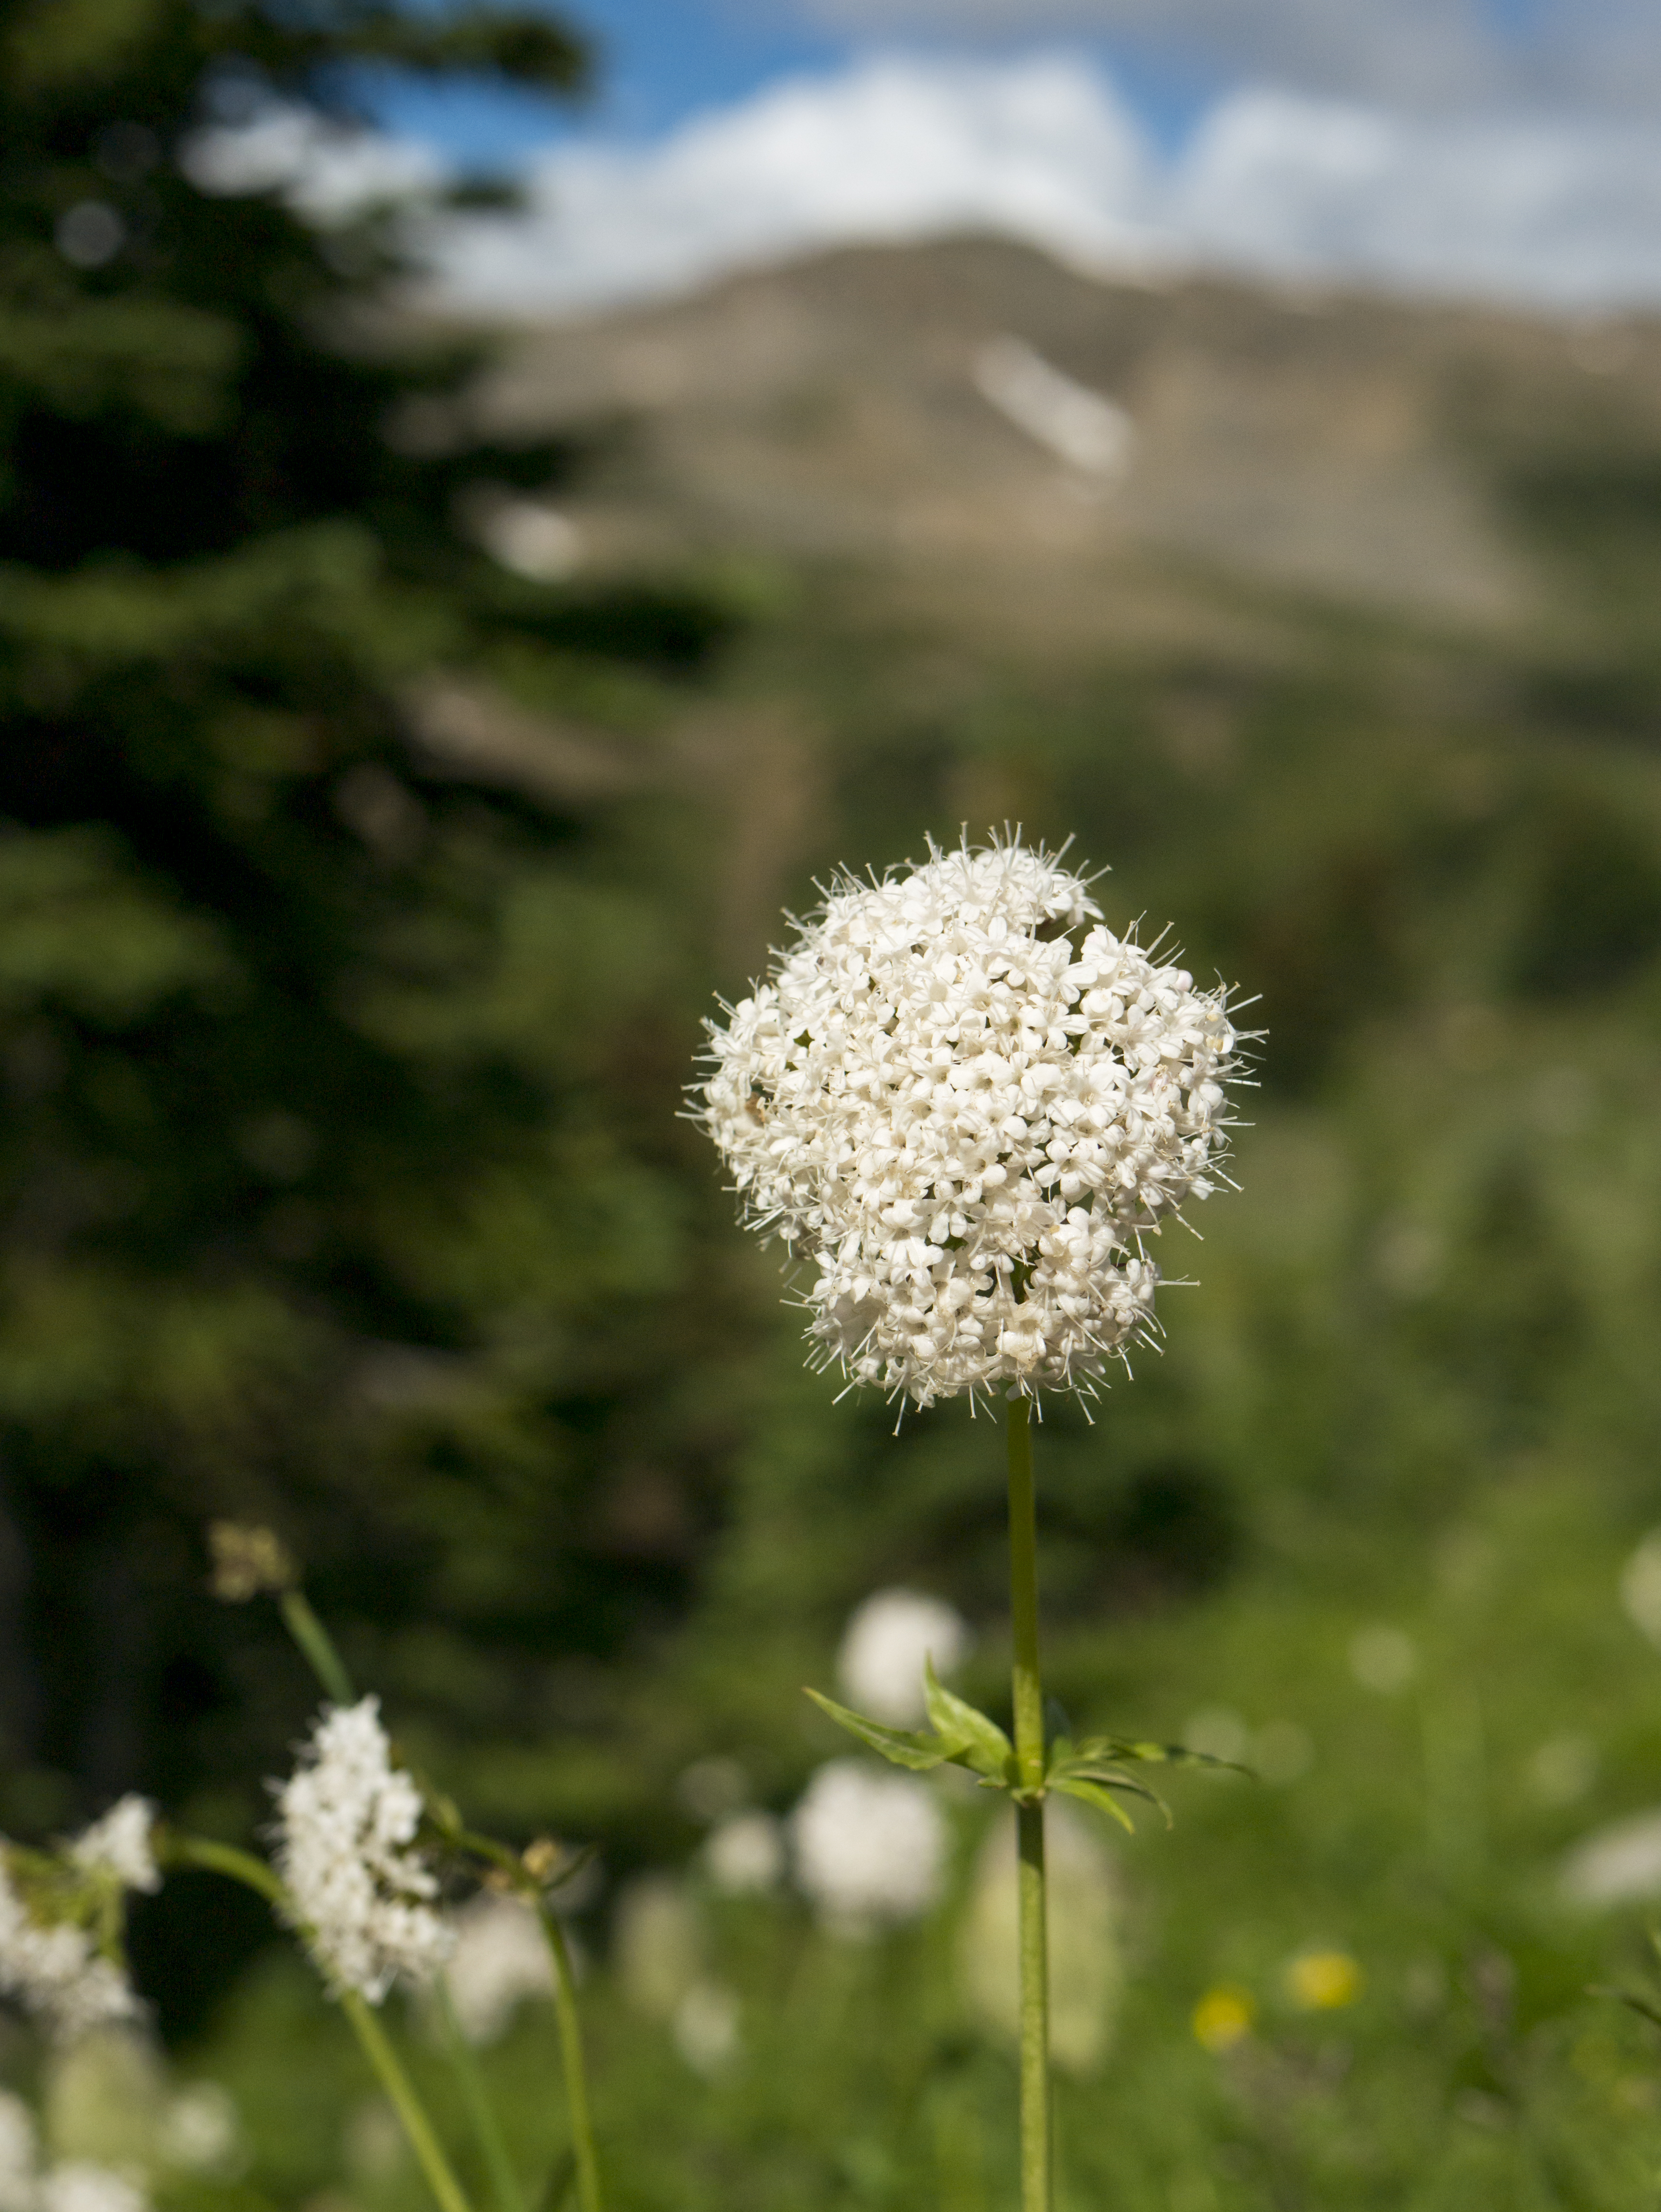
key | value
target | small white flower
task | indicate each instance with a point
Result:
(870, 1845)
(501, 1959)
(55, 1970)
(968, 1122)
(118, 1845)
(361, 1894)
(744, 1855)
(881, 1663)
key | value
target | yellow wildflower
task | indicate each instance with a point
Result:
(1223, 2016)
(1324, 1981)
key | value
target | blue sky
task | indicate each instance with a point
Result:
(660, 61)
(1500, 149)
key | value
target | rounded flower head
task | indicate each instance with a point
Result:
(361, 1892)
(966, 1103)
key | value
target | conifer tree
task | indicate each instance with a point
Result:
(318, 1207)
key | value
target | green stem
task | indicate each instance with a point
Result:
(226, 1859)
(397, 2084)
(493, 2147)
(570, 2050)
(1029, 1815)
(318, 1645)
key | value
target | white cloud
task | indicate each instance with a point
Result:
(1560, 211)
(891, 149)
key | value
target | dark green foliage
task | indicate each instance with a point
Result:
(342, 1183)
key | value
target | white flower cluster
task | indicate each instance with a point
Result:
(360, 1895)
(870, 1845)
(968, 1121)
(76, 2185)
(53, 1966)
(118, 1845)
(880, 1663)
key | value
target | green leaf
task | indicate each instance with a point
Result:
(1109, 1778)
(902, 1745)
(1091, 1793)
(980, 1743)
(1125, 1750)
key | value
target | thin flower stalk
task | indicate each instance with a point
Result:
(1028, 1698)
(570, 2044)
(401, 2094)
(487, 2131)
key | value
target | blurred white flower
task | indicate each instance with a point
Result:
(74, 2185)
(706, 2027)
(118, 1845)
(870, 1845)
(362, 1896)
(657, 1944)
(1640, 1587)
(200, 2129)
(80, 2186)
(967, 1124)
(745, 1857)
(880, 1662)
(18, 2182)
(1085, 1968)
(501, 1959)
(55, 1970)
(1618, 1864)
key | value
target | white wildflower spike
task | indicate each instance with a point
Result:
(118, 1847)
(870, 1845)
(55, 1970)
(361, 1894)
(967, 1101)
